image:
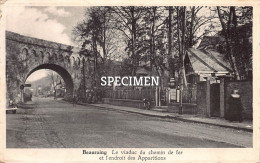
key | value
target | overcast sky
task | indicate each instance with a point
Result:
(48, 23)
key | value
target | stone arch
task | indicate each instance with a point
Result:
(67, 59)
(66, 76)
(25, 54)
(72, 61)
(61, 59)
(78, 61)
(34, 54)
(47, 57)
(41, 56)
(55, 56)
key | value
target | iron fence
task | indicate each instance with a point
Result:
(131, 94)
(189, 95)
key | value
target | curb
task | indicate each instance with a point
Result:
(174, 117)
(26, 106)
(214, 124)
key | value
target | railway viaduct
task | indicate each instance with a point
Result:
(25, 55)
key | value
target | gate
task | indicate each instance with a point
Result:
(215, 100)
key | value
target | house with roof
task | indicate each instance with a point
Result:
(205, 64)
(242, 45)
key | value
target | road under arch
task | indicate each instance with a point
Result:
(66, 76)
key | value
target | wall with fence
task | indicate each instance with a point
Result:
(131, 94)
(130, 98)
(201, 96)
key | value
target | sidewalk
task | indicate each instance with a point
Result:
(245, 125)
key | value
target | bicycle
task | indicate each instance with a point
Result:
(147, 104)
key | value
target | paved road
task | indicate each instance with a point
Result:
(57, 124)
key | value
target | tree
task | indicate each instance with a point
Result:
(128, 21)
(98, 38)
(54, 78)
(201, 21)
(181, 29)
(233, 21)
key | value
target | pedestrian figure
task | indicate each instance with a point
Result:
(74, 100)
(235, 107)
(11, 103)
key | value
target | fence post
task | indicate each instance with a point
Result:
(22, 98)
(159, 96)
(222, 97)
(141, 93)
(156, 96)
(208, 112)
(167, 96)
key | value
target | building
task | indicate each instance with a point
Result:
(204, 64)
(59, 89)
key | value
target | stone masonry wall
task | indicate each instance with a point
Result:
(201, 98)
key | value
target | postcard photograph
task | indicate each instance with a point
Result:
(128, 77)
(128, 82)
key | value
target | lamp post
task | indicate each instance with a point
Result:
(22, 88)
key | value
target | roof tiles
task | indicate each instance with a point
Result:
(207, 60)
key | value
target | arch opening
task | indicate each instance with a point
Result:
(65, 75)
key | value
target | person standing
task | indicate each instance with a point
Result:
(74, 100)
(235, 107)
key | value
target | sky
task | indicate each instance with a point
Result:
(49, 23)
(37, 75)
(52, 23)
